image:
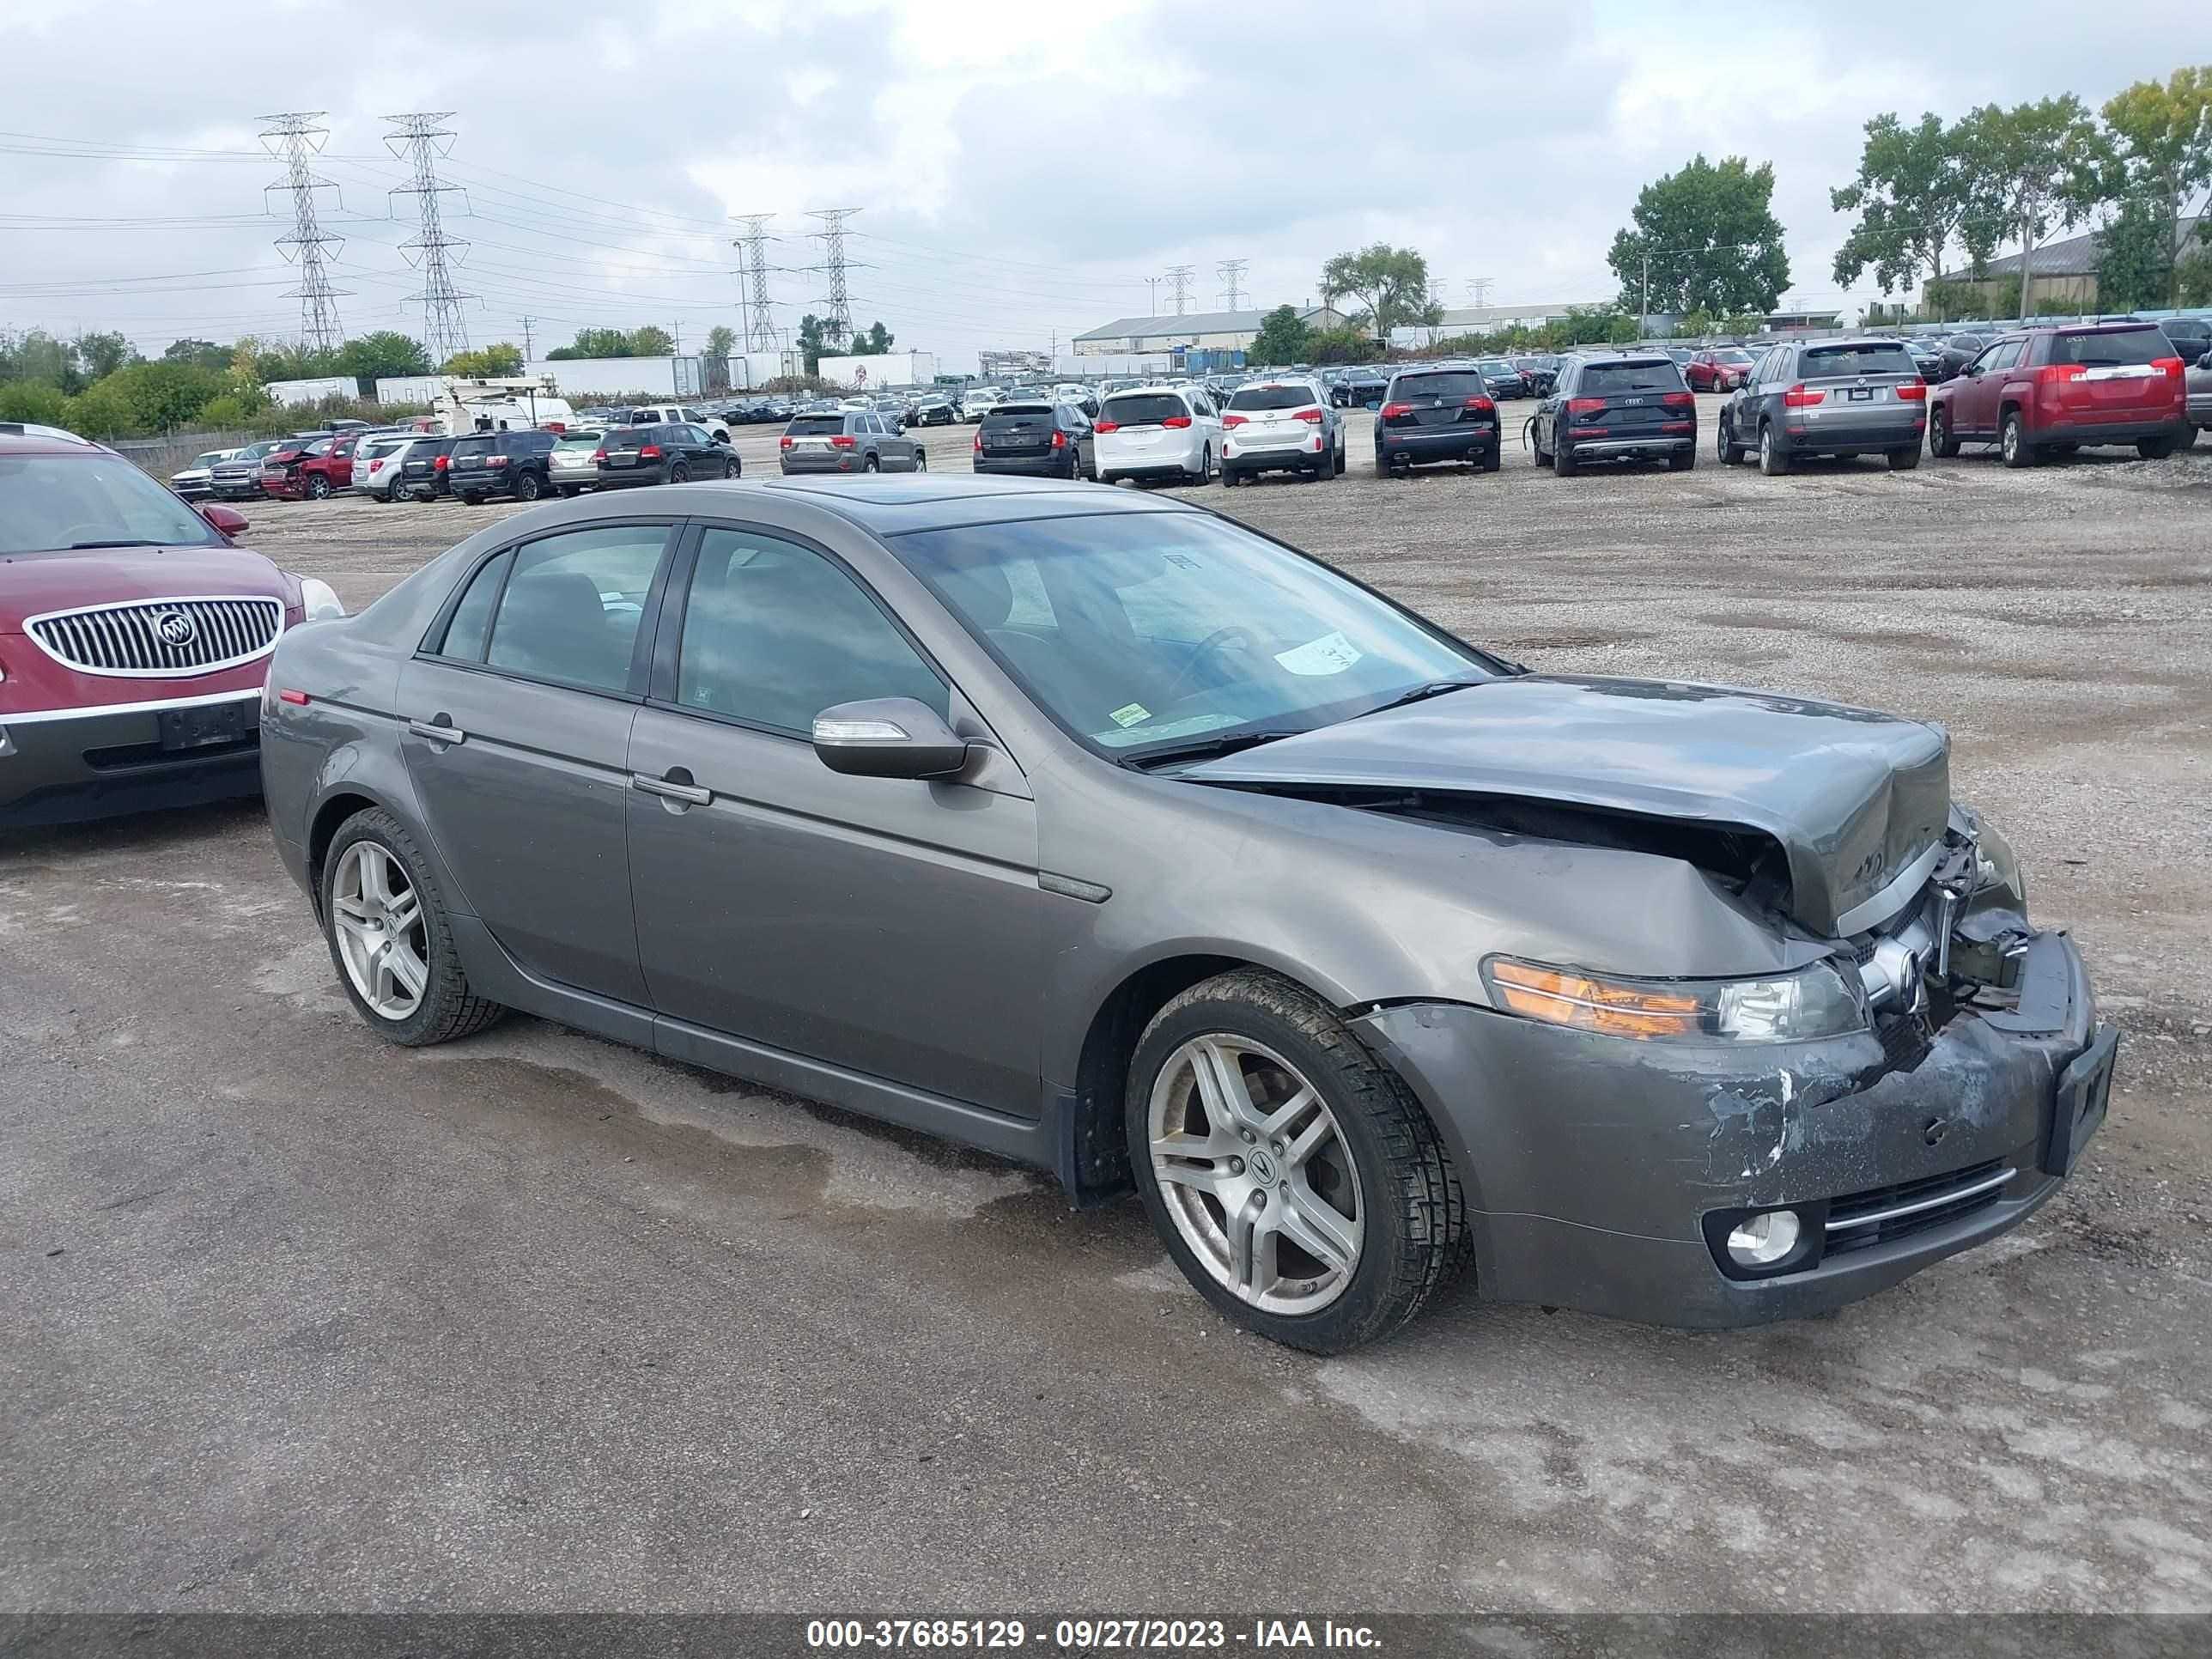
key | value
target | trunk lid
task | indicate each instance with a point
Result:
(1854, 798)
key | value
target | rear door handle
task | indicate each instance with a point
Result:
(690, 795)
(437, 732)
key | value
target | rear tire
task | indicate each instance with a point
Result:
(1773, 461)
(1682, 461)
(569, 492)
(1492, 459)
(471, 500)
(527, 489)
(1563, 461)
(448, 1008)
(1231, 477)
(2157, 449)
(679, 473)
(2012, 442)
(1384, 1171)
(1903, 460)
(2187, 441)
(1943, 442)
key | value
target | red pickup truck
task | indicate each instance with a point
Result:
(311, 468)
(2041, 392)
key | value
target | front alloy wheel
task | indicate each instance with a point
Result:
(1255, 1174)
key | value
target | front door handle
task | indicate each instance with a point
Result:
(690, 795)
(437, 731)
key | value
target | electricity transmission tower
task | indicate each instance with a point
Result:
(1181, 276)
(760, 316)
(293, 139)
(1478, 289)
(1153, 283)
(837, 328)
(1232, 275)
(421, 139)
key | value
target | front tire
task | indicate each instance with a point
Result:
(730, 468)
(319, 488)
(1293, 1178)
(1730, 452)
(1943, 442)
(389, 937)
(871, 465)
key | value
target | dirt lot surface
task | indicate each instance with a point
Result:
(295, 1320)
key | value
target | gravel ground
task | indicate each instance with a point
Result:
(296, 1321)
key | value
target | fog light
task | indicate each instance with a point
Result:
(1761, 1240)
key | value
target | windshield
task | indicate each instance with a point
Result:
(1140, 631)
(50, 503)
(210, 458)
(1732, 357)
(2111, 348)
(1492, 366)
(1273, 397)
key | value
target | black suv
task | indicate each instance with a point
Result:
(1359, 386)
(422, 470)
(1633, 407)
(1036, 440)
(668, 452)
(501, 464)
(1436, 415)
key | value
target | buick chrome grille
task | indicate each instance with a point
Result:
(160, 639)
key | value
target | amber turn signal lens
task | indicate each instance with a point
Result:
(1591, 1004)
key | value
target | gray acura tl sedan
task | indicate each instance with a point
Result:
(1104, 833)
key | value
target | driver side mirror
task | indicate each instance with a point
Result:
(227, 519)
(2205, 361)
(888, 737)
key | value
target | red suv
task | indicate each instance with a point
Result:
(2049, 390)
(312, 468)
(135, 636)
(1722, 369)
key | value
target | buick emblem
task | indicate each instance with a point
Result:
(175, 628)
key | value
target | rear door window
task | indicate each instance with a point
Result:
(470, 624)
(1821, 361)
(1144, 408)
(2112, 348)
(1605, 379)
(572, 607)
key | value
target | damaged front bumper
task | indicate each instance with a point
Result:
(1604, 1174)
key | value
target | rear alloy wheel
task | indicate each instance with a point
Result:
(1942, 443)
(318, 487)
(390, 939)
(1771, 459)
(679, 473)
(1205, 464)
(527, 489)
(1903, 460)
(1293, 1178)
(2012, 442)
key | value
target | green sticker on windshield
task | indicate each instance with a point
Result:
(1129, 713)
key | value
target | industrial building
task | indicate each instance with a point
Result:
(2061, 270)
(1198, 331)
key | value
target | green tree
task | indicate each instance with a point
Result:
(1913, 196)
(158, 397)
(101, 354)
(650, 341)
(491, 360)
(385, 355)
(721, 340)
(99, 411)
(40, 402)
(1339, 345)
(206, 353)
(35, 355)
(870, 341)
(2032, 168)
(2192, 272)
(2134, 260)
(813, 341)
(1392, 283)
(2161, 143)
(1282, 338)
(597, 343)
(1705, 237)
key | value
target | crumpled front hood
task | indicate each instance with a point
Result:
(1852, 797)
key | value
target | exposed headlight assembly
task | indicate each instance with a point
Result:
(1814, 1002)
(321, 600)
(1996, 864)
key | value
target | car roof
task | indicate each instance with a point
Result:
(898, 505)
(24, 439)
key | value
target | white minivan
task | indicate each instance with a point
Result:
(1157, 432)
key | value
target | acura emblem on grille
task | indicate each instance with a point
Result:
(175, 628)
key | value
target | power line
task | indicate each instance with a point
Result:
(1181, 276)
(1232, 274)
(760, 315)
(416, 138)
(837, 329)
(296, 139)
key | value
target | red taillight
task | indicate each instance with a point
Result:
(648, 451)
(1310, 416)
(598, 455)
(1913, 390)
(1177, 421)
(297, 699)
(1584, 405)
(376, 466)
(1059, 440)
(2172, 367)
(979, 443)
(1107, 426)
(1798, 397)
(1479, 405)
(441, 462)
(844, 443)
(1680, 399)
(1232, 420)
(785, 443)
(1392, 411)
(494, 460)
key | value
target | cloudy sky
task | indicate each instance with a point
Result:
(1021, 168)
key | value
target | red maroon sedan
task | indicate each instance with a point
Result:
(1723, 369)
(134, 637)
